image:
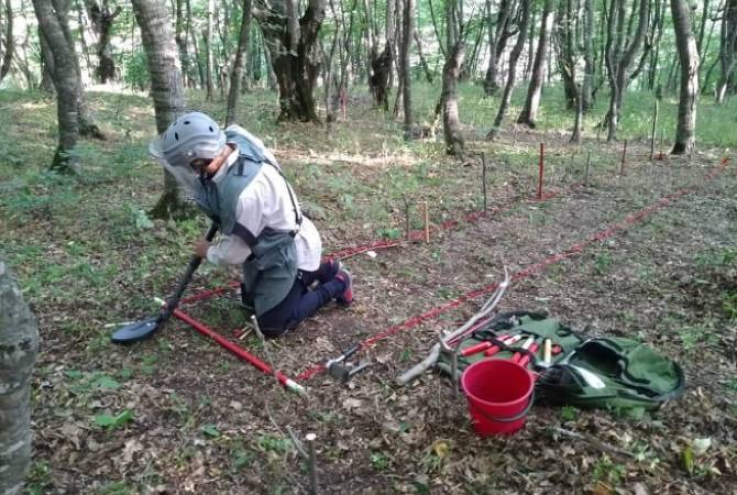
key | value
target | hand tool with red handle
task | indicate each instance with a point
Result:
(518, 355)
(526, 358)
(494, 349)
(482, 346)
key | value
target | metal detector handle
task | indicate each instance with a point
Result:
(194, 264)
(420, 367)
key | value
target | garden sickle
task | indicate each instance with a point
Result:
(144, 329)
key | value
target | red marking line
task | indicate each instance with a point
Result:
(377, 245)
(528, 271)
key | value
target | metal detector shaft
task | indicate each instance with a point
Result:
(194, 263)
(141, 330)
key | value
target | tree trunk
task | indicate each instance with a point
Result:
(66, 83)
(618, 68)
(587, 90)
(167, 88)
(525, 10)
(240, 54)
(499, 33)
(19, 344)
(8, 45)
(408, 29)
(530, 43)
(47, 65)
(207, 40)
(578, 123)
(86, 124)
(423, 61)
(449, 97)
(389, 34)
(182, 27)
(196, 48)
(566, 56)
(292, 43)
(689, 57)
(381, 66)
(102, 23)
(528, 116)
(727, 50)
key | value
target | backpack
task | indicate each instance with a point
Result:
(609, 372)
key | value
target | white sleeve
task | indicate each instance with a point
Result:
(235, 248)
(230, 249)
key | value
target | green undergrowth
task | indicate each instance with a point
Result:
(83, 240)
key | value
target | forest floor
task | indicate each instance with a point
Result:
(178, 414)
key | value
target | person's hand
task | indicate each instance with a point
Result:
(201, 247)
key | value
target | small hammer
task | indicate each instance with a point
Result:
(337, 369)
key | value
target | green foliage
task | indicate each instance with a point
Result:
(110, 422)
(379, 461)
(568, 413)
(210, 430)
(608, 471)
(135, 68)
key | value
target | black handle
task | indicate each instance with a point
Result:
(194, 263)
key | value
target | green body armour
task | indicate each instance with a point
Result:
(271, 270)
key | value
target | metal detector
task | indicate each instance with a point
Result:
(142, 330)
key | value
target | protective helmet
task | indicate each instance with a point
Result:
(191, 136)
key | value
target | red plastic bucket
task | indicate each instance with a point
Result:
(499, 394)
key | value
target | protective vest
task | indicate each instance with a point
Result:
(271, 270)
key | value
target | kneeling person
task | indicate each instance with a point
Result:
(238, 183)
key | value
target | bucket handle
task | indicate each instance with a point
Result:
(517, 416)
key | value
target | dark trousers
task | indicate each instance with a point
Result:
(301, 302)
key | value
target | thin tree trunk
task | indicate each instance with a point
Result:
(390, 39)
(525, 10)
(207, 40)
(102, 19)
(47, 65)
(449, 97)
(423, 61)
(240, 54)
(618, 73)
(689, 56)
(409, 21)
(9, 44)
(727, 50)
(497, 41)
(566, 57)
(66, 83)
(578, 123)
(531, 43)
(587, 90)
(528, 116)
(167, 89)
(19, 343)
(181, 29)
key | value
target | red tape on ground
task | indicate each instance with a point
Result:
(376, 245)
(533, 269)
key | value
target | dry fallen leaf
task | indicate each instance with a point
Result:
(639, 489)
(441, 448)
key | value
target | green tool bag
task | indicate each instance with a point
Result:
(627, 374)
(602, 372)
(526, 323)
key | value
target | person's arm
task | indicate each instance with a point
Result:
(229, 250)
(235, 248)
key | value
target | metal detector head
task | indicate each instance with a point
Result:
(135, 332)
